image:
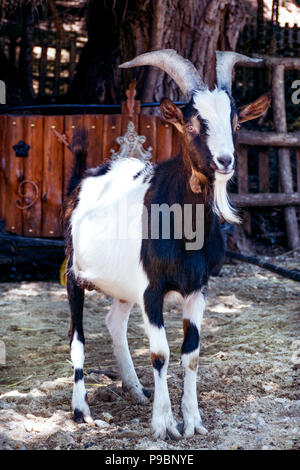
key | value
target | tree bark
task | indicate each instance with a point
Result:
(118, 31)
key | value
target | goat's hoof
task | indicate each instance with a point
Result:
(179, 427)
(193, 428)
(139, 394)
(165, 427)
(172, 436)
(79, 417)
(170, 432)
(146, 392)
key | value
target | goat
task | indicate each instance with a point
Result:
(147, 270)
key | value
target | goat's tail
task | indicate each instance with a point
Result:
(80, 151)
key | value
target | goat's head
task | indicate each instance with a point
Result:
(209, 122)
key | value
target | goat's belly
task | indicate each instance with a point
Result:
(106, 260)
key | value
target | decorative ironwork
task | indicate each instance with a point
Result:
(30, 197)
(21, 149)
(131, 145)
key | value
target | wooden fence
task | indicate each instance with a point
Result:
(282, 139)
(53, 58)
(32, 188)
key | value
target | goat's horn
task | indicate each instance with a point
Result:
(181, 70)
(225, 61)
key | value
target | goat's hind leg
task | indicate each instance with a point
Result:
(116, 322)
(79, 398)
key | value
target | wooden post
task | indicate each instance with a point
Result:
(43, 70)
(72, 65)
(263, 172)
(57, 68)
(243, 183)
(284, 164)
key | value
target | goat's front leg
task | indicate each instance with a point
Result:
(193, 309)
(163, 421)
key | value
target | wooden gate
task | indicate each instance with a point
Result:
(33, 187)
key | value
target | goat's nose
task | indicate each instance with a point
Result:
(225, 160)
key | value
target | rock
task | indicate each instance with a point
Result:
(101, 424)
(267, 388)
(236, 378)
(88, 444)
(107, 416)
(261, 421)
(28, 426)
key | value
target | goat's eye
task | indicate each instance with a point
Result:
(237, 127)
(190, 128)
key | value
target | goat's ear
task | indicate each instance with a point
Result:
(171, 113)
(255, 109)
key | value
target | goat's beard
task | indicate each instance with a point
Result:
(222, 206)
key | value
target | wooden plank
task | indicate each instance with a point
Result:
(111, 130)
(148, 129)
(164, 140)
(243, 182)
(94, 125)
(267, 139)
(72, 123)
(284, 162)
(52, 177)
(2, 165)
(242, 169)
(287, 62)
(33, 171)
(263, 172)
(298, 169)
(13, 174)
(266, 199)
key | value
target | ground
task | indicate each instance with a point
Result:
(248, 380)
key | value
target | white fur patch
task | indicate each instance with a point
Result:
(215, 108)
(104, 253)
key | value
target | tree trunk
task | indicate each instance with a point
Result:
(25, 58)
(118, 31)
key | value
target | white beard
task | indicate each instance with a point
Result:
(222, 205)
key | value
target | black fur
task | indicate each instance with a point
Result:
(158, 364)
(191, 340)
(79, 149)
(76, 300)
(169, 266)
(78, 375)
(167, 263)
(78, 416)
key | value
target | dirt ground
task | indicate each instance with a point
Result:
(248, 380)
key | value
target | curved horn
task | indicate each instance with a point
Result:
(225, 61)
(181, 70)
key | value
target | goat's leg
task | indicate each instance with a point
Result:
(163, 421)
(193, 309)
(79, 398)
(116, 322)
